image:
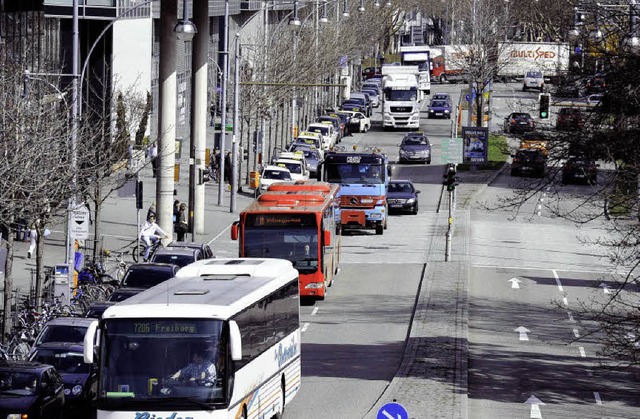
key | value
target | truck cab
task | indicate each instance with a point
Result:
(400, 98)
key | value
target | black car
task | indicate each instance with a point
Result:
(96, 310)
(519, 122)
(204, 247)
(122, 294)
(79, 378)
(439, 109)
(580, 170)
(528, 162)
(402, 196)
(147, 275)
(30, 390)
(181, 256)
(415, 147)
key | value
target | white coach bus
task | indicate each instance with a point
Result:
(241, 316)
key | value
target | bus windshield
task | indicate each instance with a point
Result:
(355, 173)
(147, 361)
(296, 244)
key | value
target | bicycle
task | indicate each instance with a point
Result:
(138, 250)
(120, 267)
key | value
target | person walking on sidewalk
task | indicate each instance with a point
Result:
(33, 236)
(181, 225)
(153, 156)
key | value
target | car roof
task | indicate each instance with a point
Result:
(69, 321)
(176, 251)
(151, 265)
(400, 181)
(62, 346)
(190, 245)
(13, 365)
(276, 168)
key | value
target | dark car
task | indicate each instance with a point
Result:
(402, 196)
(369, 72)
(415, 147)
(63, 329)
(96, 310)
(181, 256)
(442, 96)
(439, 109)
(122, 294)
(30, 390)
(204, 247)
(519, 122)
(354, 104)
(580, 170)
(79, 378)
(311, 155)
(147, 275)
(528, 162)
(596, 84)
(569, 118)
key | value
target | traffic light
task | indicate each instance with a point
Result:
(139, 194)
(545, 102)
(450, 179)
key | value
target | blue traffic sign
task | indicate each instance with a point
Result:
(392, 411)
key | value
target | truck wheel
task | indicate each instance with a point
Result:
(443, 78)
(379, 229)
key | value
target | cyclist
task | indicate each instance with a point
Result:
(150, 233)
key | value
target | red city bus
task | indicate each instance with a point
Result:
(297, 225)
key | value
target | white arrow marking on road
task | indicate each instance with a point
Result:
(605, 288)
(387, 414)
(315, 310)
(304, 327)
(596, 396)
(523, 332)
(570, 317)
(535, 407)
(582, 352)
(576, 333)
(565, 301)
(555, 274)
(515, 282)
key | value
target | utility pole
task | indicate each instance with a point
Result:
(223, 116)
(451, 181)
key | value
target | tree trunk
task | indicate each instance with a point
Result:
(97, 220)
(8, 286)
(39, 267)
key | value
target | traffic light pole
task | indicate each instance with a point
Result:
(447, 252)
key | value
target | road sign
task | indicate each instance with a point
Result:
(392, 411)
(79, 223)
(451, 149)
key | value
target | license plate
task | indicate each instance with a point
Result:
(439, 113)
(396, 205)
(578, 175)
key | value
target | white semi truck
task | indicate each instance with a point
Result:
(400, 98)
(418, 55)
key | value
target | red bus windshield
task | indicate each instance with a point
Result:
(285, 236)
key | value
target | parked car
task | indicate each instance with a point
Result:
(122, 294)
(147, 275)
(295, 163)
(78, 377)
(374, 96)
(439, 109)
(310, 138)
(30, 390)
(367, 101)
(580, 170)
(528, 162)
(328, 133)
(181, 256)
(355, 104)
(569, 118)
(96, 310)
(415, 147)
(336, 122)
(594, 99)
(62, 329)
(533, 79)
(402, 196)
(519, 122)
(369, 72)
(204, 247)
(311, 155)
(596, 84)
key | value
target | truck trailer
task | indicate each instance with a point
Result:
(516, 58)
(449, 63)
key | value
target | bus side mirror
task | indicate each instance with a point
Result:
(89, 339)
(234, 230)
(236, 341)
(327, 238)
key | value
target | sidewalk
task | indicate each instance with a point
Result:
(432, 379)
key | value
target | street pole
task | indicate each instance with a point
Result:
(236, 122)
(447, 254)
(75, 58)
(223, 116)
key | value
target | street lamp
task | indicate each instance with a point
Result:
(185, 30)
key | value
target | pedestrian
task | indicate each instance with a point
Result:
(176, 209)
(181, 225)
(153, 156)
(227, 167)
(33, 236)
(212, 111)
(22, 230)
(151, 211)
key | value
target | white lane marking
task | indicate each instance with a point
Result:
(555, 273)
(315, 310)
(219, 234)
(515, 283)
(576, 333)
(544, 268)
(304, 327)
(523, 332)
(535, 407)
(565, 301)
(582, 352)
(596, 396)
(605, 288)
(570, 317)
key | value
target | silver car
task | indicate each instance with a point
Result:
(533, 79)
